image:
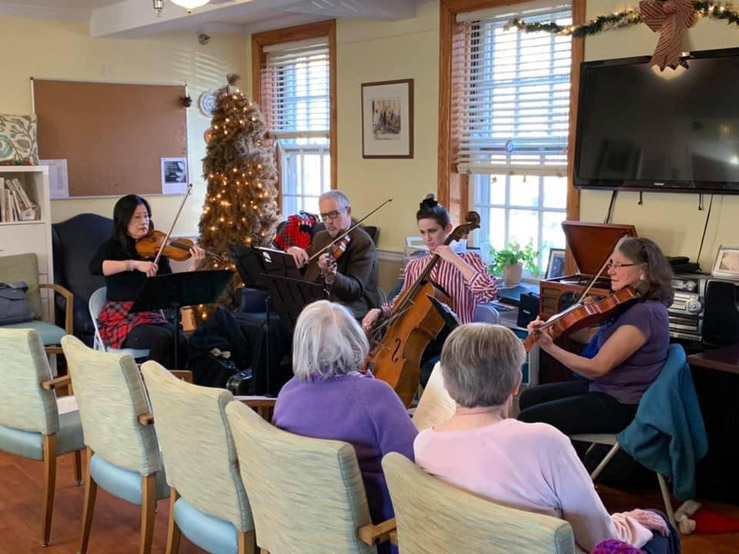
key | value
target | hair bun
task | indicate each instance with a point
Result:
(429, 202)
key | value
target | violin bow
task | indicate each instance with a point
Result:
(166, 239)
(349, 230)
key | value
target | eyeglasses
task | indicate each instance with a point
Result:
(616, 265)
(333, 216)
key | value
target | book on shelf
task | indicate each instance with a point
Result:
(15, 204)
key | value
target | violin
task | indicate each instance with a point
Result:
(152, 244)
(580, 316)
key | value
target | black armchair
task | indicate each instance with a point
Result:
(74, 243)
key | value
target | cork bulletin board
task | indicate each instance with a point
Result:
(112, 136)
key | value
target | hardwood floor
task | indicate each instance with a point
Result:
(116, 524)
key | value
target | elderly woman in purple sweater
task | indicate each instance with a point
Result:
(328, 398)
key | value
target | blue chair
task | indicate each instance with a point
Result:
(208, 503)
(122, 450)
(30, 423)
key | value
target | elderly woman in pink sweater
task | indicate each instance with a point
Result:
(529, 466)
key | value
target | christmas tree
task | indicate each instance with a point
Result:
(240, 204)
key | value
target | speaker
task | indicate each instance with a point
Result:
(721, 315)
(528, 309)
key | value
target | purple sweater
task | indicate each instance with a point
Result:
(362, 411)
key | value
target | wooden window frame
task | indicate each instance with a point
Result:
(290, 34)
(453, 188)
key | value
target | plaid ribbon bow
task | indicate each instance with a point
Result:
(669, 18)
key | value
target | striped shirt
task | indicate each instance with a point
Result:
(465, 294)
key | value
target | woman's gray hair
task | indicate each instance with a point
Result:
(338, 196)
(327, 342)
(481, 364)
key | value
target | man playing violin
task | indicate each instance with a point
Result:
(622, 357)
(125, 272)
(351, 279)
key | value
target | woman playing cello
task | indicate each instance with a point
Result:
(464, 277)
(622, 358)
(125, 272)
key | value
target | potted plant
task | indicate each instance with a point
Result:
(510, 261)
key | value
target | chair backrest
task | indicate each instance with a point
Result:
(201, 465)
(432, 516)
(24, 404)
(307, 495)
(435, 405)
(23, 267)
(74, 243)
(97, 299)
(111, 395)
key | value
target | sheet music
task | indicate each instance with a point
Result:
(435, 406)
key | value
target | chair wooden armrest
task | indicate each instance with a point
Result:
(69, 312)
(257, 401)
(263, 405)
(184, 374)
(373, 534)
(59, 382)
(146, 419)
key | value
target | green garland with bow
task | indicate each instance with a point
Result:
(671, 18)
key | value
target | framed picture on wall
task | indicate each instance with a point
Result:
(726, 265)
(387, 119)
(556, 265)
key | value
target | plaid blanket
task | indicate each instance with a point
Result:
(115, 321)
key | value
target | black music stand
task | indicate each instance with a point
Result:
(291, 296)
(176, 290)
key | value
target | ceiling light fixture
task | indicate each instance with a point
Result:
(158, 5)
(190, 5)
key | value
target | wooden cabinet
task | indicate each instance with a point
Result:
(21, 237)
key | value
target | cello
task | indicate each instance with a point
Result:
(413, 323)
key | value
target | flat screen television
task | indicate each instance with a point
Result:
(677, 131)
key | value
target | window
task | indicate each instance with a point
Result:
(295, 95)
(510, 123)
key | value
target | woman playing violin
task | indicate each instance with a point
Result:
(623, 357)
(125, 272)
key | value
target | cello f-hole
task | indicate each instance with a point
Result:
(396, 351)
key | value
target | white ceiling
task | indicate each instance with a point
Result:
(131, 18)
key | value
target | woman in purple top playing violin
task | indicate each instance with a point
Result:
(624, 356)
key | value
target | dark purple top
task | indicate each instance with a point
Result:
(628, 381)
(362, 411)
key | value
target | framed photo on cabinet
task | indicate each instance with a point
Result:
(387, 119)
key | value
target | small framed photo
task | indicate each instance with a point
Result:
(726, 265)
(174, 175)
(387, 119)
(556, 265)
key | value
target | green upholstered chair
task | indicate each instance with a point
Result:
(24, 267)
(122, 450)
(307, 495)
(30, 423)
(208, 503)
(432, 516)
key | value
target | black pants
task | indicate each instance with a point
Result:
(159, 339)
(572, 409)
(663, 545)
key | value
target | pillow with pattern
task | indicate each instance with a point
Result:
(18, 145)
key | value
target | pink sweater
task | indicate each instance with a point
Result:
(529, 466)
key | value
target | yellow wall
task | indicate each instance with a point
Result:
(672, 220)
(63, 50)
(369, 51)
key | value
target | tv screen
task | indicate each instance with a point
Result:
(678, 131)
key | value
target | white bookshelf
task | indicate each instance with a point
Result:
(21, 237)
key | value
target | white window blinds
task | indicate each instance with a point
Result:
(511, 92)
(295, 89)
